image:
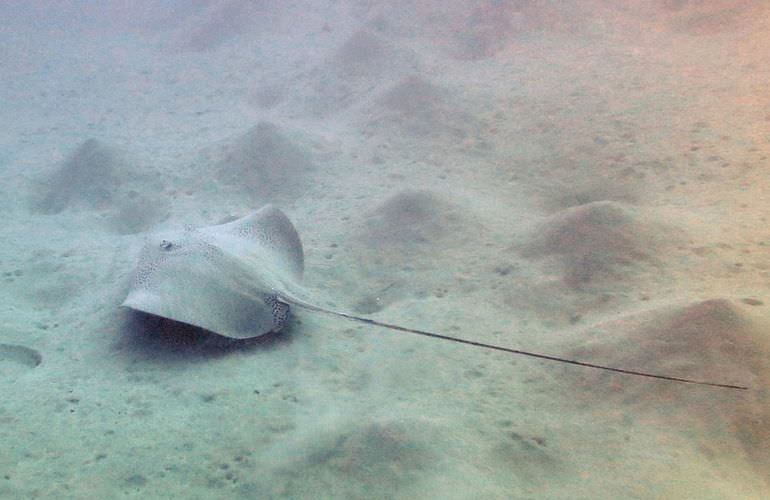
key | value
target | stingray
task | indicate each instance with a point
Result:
(239, 279)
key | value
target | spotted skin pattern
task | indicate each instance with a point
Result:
(280, 312)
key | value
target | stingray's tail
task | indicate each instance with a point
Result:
(311, 307)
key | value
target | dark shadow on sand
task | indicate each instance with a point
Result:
(153, 338)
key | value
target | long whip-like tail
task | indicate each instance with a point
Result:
(311, 307)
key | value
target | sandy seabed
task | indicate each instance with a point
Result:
(584, 179)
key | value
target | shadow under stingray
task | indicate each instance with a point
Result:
(161, 339)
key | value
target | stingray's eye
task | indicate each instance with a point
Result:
(166, 245)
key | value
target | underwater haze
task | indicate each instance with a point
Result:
(584, 179)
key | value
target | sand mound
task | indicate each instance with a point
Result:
(475, 31)
(268, 96)
(360, 54)
(89, 178)
(413, 96)
(713, 340)
(354, 70)
(96, 177)
(414, 219)
(17, 359)
(581, 188)
(416, 108)
(265, 164)
(598, 241)
(364, 460)
(705, 18)
(400, 247)
(710, 339)
(221, 22)
(688, 17)
(137, 212)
